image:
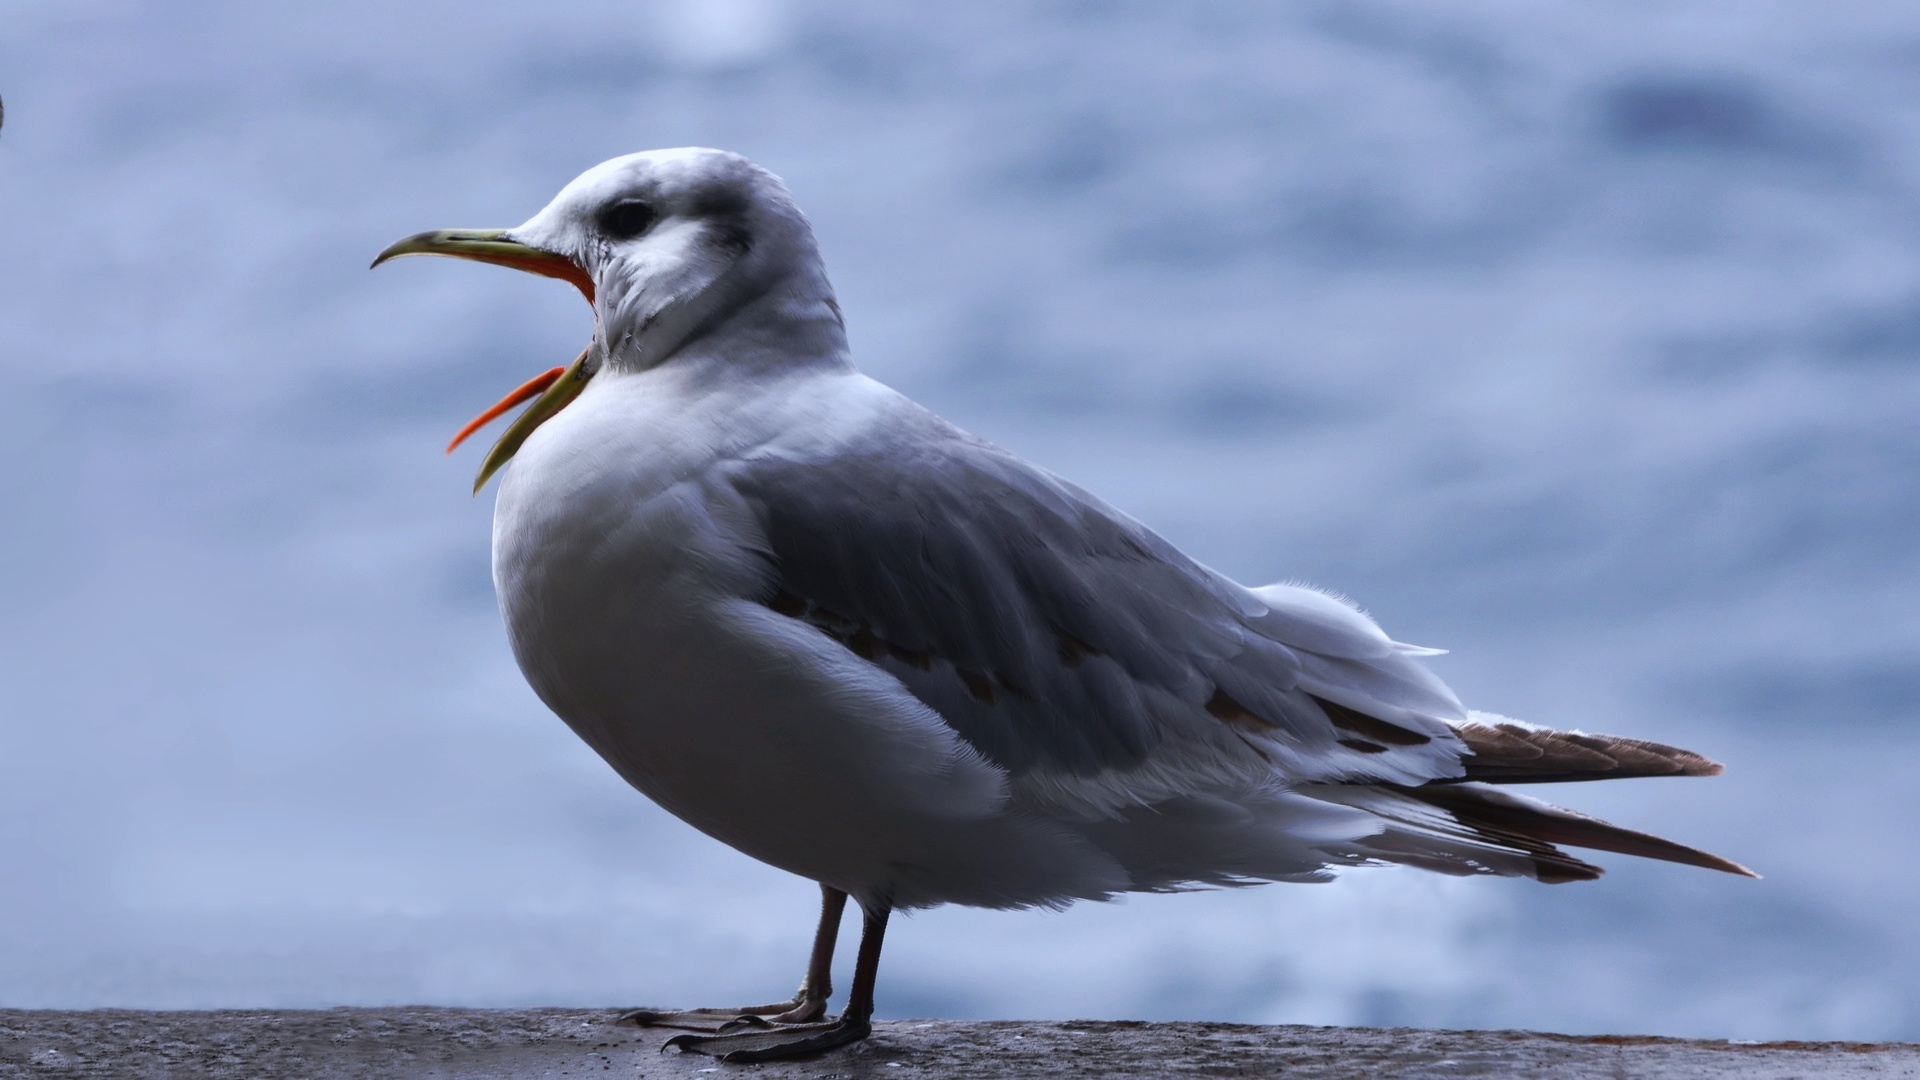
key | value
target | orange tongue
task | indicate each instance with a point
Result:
(524, 391)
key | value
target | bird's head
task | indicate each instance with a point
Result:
(671, 247)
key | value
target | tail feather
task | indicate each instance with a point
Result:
(1504, 751)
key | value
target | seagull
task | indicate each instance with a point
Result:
(825, 627)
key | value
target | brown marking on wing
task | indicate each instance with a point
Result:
(977, 684)
(1362, 745)
(1255, 747)
(1369, 728)
(858, 637)
(1223, 706)
(836, 625)
(863, 641)
(1073, 651)
(911, 657)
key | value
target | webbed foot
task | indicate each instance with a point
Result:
(773, 1043)
(802, 1008)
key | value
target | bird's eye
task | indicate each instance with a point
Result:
(626, 219)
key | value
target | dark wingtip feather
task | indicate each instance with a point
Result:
(1527, 823)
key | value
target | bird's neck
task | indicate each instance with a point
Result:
(796, 322)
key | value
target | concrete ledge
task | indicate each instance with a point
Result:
(514, 1043)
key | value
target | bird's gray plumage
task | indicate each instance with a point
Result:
(1055, 633)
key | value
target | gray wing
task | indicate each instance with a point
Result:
(1054, 633)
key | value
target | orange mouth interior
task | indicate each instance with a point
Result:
(552, 266)
(526, 391)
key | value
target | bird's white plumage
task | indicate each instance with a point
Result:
(827, 628)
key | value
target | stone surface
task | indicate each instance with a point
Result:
(515, 1043)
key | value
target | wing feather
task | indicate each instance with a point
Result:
(1053, 632)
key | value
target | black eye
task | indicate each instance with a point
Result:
(626, 219)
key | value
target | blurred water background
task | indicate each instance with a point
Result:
(1580, 338)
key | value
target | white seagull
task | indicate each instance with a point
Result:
(826, 627)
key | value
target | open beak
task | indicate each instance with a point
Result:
(491, 246)
(557, 389)
(551, 391)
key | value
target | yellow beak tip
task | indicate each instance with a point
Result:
(484, 244)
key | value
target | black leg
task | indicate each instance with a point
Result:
(799, 1040)
(807, 1005)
